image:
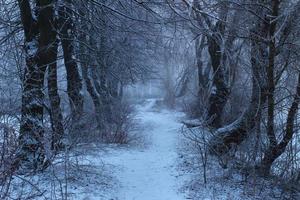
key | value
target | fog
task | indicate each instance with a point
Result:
(149, 99)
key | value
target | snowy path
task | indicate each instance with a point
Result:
(149, 174)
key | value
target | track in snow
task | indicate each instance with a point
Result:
(149, 174)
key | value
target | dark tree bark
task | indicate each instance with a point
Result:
(74, 81)
(220, 93)
(270, 73)
(220, 90)
(237, 132)
(264, 50)
(39, 36)
(274, 151)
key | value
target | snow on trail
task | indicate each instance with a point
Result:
(149, 174)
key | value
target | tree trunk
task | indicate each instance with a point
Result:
(221, 88)
(273, 152)
(74, 82)
(86, 61)
(270, 74)
(31, 149)
(220, 93)
(237, 132)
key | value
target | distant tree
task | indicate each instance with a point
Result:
(67, 37)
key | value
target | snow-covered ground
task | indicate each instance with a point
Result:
(163, 165)
(143, 170)
(150, 173)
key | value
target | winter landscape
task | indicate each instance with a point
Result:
(149, 99)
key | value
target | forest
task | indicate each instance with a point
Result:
(149, 99)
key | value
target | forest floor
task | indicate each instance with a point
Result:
(149, 172)
(144, 169)
(160, 164)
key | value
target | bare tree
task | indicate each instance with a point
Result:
(67, 35)
(40, 36)
(220, 38)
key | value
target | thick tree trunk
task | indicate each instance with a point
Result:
(31, 149)
(237, 132)
(216, 49)
(74, 81)
(220, 93)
